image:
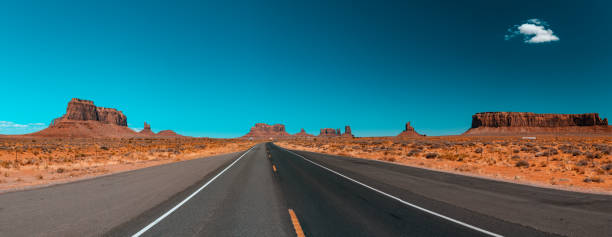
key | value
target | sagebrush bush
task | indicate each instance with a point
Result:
(522, 163)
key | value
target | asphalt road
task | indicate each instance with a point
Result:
(251, 194)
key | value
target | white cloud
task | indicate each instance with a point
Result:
(8, 127)
(534, 31)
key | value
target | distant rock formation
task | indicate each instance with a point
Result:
(303, 133)
(347, 132)
(265, 131)
(85, 110)
(146, 131)
(84, 119)
(522, 123)
(331, 132)
(168, 134)
(409, 131)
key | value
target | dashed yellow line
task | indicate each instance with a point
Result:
(296, 224)
(274, 168)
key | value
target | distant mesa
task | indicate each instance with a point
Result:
(147, 132)
(168, 134)
(409, 132)
(525, 123)
(303, 133)
(265, 131)
(83, 119)
(331, 132)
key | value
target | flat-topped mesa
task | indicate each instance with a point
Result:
(85, 110)
(409, 131)
(510, 123)
(84, 119)
(330, 132)
(262, 130)
(523, 119)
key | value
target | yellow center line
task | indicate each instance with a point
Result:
(274, 168)
(296, 224)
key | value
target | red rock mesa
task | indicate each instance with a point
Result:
(331, 132)
(84, 119)
(265, 131)
(524, 123)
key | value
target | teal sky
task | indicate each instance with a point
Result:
(214, 69)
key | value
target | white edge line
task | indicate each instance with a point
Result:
(187, 199)
(400, 200)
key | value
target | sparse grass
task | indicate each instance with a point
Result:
(44, 159)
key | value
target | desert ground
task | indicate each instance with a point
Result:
(28, 162)
(570, 163)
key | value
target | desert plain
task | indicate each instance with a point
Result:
(32, 162)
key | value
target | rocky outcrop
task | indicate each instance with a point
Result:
(347, 132)
(330, 132)
(146, 131)
(303, 133)
(409, 131)
(84, 119)
(265, 131)
(85, 110)
(521, 123)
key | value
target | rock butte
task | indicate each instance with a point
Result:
(83, 120)
(265, 131)
(331, 132)
(524, 123)
(303, 133)
(409, 132)
(147, 130)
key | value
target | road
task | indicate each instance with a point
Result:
(270, 191)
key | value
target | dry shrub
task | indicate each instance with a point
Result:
(522, 163)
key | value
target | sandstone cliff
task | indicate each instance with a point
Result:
(409, 131)
(329, 132)
(84, 119)
(522, 123)
(85, 110)
(265, 131)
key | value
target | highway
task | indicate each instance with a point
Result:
(271, 191)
